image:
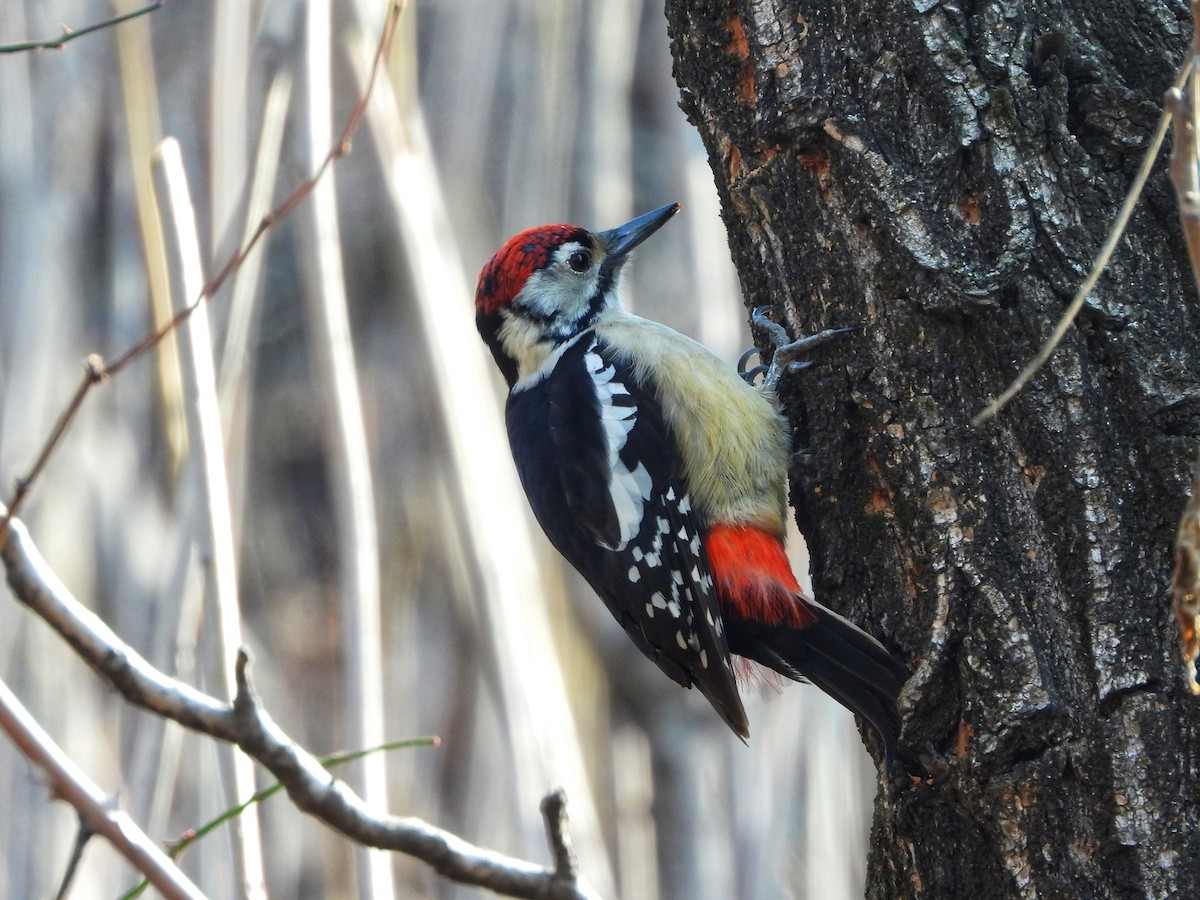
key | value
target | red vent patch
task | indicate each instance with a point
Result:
(753, 577)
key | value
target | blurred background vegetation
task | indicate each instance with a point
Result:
(391, 581)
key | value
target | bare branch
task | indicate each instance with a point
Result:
(554, 811)
(348, 459)
(247, 724)
(68, 35)
(96, 813)
(99, 372)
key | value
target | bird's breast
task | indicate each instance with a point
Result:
(732, 441)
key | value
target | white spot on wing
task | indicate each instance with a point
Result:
(634, 574)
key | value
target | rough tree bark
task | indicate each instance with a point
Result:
(942, 175)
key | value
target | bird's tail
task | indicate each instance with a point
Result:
(838, 657)
(769, 619)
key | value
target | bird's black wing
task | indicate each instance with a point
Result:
(606, 484)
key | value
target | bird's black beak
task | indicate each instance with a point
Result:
(620, 240)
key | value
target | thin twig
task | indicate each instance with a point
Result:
(68, 35)
(143, 132)
(236, 358)
(192, 835)
(245, 723)
(99, 372)
(212, 523)
(93, 374)
(348, 463)
(96, 813)
(554, 811)
(1184, 171)
(83, 834)
(1184, 109)
(334, 759)
(1098, 266)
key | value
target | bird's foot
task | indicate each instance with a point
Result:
(785, 351)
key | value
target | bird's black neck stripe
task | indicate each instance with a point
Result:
(599, 299)
(489, 329)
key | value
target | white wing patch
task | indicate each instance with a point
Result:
(629, 490)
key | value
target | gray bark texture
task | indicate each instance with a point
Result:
(941, 176)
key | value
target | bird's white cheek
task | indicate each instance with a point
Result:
(558, 294)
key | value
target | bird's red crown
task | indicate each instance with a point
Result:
(522, 255)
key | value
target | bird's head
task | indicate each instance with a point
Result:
(547, 284)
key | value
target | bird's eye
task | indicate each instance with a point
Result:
(579, 260)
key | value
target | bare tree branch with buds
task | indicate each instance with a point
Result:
(245, 723)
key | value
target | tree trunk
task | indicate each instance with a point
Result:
(942, 175)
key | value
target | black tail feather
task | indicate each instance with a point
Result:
(839, 658)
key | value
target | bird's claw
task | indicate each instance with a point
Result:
(749, 375)
(785, 350)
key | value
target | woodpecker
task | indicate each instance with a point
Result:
(660, 475)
